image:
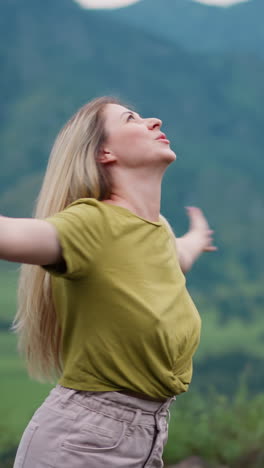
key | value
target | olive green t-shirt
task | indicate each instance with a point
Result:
(127, 320)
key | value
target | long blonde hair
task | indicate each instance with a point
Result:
(72, 173)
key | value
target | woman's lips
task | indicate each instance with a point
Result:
(164, 140)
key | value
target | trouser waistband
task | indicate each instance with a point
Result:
(127, 404)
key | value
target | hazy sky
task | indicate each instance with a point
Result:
(120, 3)
(105, 3)
(220, 2)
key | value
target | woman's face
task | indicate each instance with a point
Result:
(133, 141)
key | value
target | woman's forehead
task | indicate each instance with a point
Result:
(116, 110)
(115, 114)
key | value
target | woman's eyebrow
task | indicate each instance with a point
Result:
(129, 112)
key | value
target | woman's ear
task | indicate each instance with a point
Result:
(105, 156)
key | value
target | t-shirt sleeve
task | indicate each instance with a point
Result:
(80, 233)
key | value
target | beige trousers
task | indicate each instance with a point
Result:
(76, 429)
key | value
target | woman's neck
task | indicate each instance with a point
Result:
(148, 209)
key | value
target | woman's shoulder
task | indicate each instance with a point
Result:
(85, 202)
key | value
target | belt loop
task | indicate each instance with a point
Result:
(136, 418)
(157, 419)
(66, 396)
(168, 409)
(168, 416)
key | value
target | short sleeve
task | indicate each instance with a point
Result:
(80, 230)
(170, 231)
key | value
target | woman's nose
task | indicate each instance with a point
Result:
(153, 123)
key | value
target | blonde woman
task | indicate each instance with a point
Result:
(103, 308)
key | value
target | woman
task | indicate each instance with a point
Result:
(102, 299)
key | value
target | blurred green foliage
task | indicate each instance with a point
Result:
(221, 430)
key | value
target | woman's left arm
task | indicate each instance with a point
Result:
(196, 241)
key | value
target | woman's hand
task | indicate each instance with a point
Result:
(199, 228)
(196, 241)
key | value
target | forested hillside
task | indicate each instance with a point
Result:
(200, 27)
(54, 57)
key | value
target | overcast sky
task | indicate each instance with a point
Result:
(120, 3)
(220, 2)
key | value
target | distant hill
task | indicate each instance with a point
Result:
(200, 27)
(55, 56)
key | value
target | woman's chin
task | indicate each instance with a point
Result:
(171, 156)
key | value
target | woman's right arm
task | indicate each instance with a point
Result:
(26, 240)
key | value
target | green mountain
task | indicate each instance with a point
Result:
(197, 26)
(54, 57)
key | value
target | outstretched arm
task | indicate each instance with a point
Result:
(26, 240)
(196, 241)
